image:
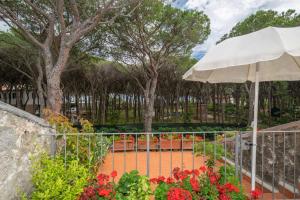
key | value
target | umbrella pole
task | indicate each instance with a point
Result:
(254, 142)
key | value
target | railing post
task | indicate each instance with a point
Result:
(148, 154)
(52, 144)
(237, 153)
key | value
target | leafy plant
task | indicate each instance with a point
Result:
(52, 180)
(211, 149)
(87, 147)
(161, 191)
(133, 186)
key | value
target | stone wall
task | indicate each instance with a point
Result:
(278, 155)
(22, 137)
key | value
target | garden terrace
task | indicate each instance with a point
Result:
(157, 154)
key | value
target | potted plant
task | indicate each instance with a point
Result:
(188, 140)
(142, 142)
(123, 142)
(170, 141)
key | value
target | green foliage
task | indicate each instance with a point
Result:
(208, 191)
(211, 149)
(161, 191)
(187, 117)
(52, 180)
(262, 19)
(88, 148)
(154, 22)
(133, 186)
(114, 117)
(231, 178)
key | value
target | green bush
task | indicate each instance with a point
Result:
(161, 191)
(133, 186)
(211, 149)
(51, 180)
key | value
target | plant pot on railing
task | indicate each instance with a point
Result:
(142, 143)
(171, 142)
(123, 143)
(187, 142)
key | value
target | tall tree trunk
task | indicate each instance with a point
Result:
(54, 92)
(53, 76)
(126, 109)
(149, 94)
(139, 108)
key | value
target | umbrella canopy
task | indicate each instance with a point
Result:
(270, 54)
(277, 50)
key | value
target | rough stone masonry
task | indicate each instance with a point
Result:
(22, 136)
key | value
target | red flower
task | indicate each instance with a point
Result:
(255, 194)
(187, 172)
(102, 179)
(176, 171)
(195, 172)
(195, 184)
(224, 197)
(89, 191)
(160, 179)
(231, 188)
(170, 180)
(213, 179)
(183, 175)
(221, 189)
(114, 174)
(187, 136)
(203, 168)
(104, 192)
(179, 194)
(153, 180)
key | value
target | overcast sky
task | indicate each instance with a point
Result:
(224, 14)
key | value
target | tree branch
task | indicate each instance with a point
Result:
(7, 13)
(75, 12)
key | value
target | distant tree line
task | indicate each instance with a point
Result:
(128, 67)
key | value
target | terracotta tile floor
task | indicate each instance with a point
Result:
(137, 161)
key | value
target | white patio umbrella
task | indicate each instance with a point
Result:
(270, 54)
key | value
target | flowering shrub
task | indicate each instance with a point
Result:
(179, 194)
(131, 186)
(101, 188)
(202, 183)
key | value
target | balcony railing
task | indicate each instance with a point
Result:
(277, 167)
